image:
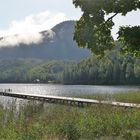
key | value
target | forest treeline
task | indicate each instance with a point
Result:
(113, 68)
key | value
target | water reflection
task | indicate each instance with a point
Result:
(67, 90)
(63, 90)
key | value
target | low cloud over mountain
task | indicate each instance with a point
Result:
(56, 43)
(26, 39)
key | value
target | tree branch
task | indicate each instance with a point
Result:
(111, 17)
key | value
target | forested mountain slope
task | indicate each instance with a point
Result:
(57, 44)
(113, 68)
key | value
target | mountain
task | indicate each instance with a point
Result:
(57, 44)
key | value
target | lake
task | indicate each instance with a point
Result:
(68, 90)
(61, 90)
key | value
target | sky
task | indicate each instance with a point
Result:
(23, 16)
(32, 16)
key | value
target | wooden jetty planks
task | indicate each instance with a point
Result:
(69, 100)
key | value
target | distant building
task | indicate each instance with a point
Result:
(37, 80)
(51, 82)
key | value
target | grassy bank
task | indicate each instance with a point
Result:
(130, 97)
(52, 122)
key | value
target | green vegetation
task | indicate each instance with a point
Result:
(113, 68)
(16, 70)
(40, 121)
(130, 97)
(93, 30)
(29, 70)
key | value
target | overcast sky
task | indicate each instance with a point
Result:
(29, 16)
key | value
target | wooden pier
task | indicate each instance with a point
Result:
(67, 100)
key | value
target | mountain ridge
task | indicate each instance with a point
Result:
(57, 44)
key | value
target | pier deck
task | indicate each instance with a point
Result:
(66, 100)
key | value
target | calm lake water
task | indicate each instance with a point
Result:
(67, 90)
(60, 90)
